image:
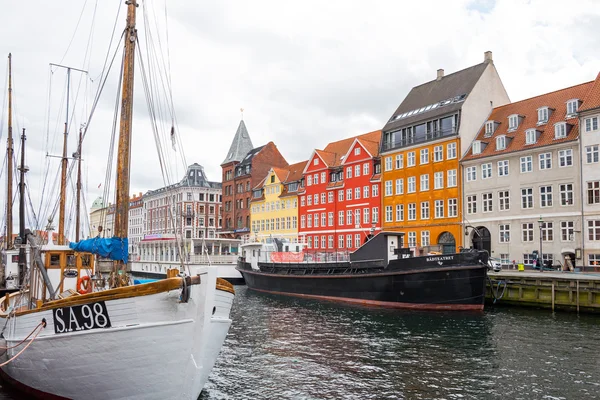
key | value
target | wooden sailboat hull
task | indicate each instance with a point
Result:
(156, 347)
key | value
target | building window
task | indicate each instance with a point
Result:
(329, 219)
(527, 232)
(486, 170)
(513, 122)
(308, 180)
(504, 200)
(594, 259)
(388, 163)
(399, 212)
(357, 151)
(548, 231)
(594, 229)
(340, 195)
(545, 196)
(476, 147)
(424, 156)
(341, 241)
(424, 182)
(565, 158)
(545, 160)
(567, 230)
(452, 178)
(323, 219)
(340, 218)
(424, 210)
(411, 159)
(439, 208)
(388, 214)
(592, 154)
(593, 192)
(487, 202)
(349, 217)
(489, 128)
(527, 198)
(399, 161)
(357, 193)
(357, 170)
(591, 124)
(316, 179)
(322, 198)
(572, 106)
(375, 216)
(412, 184)
(330, 237)
(375, 190)
(526, 164)
(438, 153)
(348, 172)
(542, 115)
(530, 136)
(566, 194)
(329, 197)
(438, 180)
(316, 199)
(366, 214)
(504, 233)
(452, 207)
(412, 239)
(424, 238)
(316, 161)
(366, 169)
(472, 204)
(471, 173)
(528, 259)
(348, 194)
(501, 143)
(323, 238)
(560, 130)
(309, 244)
(503, 168)
(451, 151)
(412, 211)
(399, 186)
(349, 241)
(388, 188)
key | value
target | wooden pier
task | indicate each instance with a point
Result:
(579, 292)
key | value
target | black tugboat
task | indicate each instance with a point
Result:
(379, 273)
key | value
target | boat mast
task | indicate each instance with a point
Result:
(63, 172)
(78, 198)
(22, 255)
(121, 222)
(9, 159)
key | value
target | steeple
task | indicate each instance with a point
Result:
(240, 146)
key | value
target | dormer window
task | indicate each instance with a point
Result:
(513, 122)
(476, 147)
(572, 106)
(543, 114)
(530, 136)
(501, 142)
(560, 130)
(490, 126)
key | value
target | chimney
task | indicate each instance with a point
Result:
(487, 57)
(440, 74)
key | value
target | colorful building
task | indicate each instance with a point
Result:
(340, 198)
(420, 150)
(274, 206)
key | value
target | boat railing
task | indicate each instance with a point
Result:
(213, 259)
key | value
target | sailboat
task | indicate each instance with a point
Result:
(64, 338)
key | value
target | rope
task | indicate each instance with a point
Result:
(43, 325)
(22, 341)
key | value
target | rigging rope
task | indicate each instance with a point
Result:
(41, 324)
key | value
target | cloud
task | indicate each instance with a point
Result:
(306, 73)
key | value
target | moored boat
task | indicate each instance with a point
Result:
(379, 273)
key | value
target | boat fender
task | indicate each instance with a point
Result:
(185, 290)
(84, 285)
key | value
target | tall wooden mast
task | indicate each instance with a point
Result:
(22, 169)
(63, 172)
(9, 160)
(78, 198)
(121, 222)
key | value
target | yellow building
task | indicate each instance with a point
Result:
(422, 144)
(274, 206)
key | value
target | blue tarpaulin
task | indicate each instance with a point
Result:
(114, 248)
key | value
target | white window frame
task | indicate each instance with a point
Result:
(566, 156)
(500, 143)
(530, 136)
(503, 168)
(486, 171)
(471, 173)
(451, 151)
(424, 183)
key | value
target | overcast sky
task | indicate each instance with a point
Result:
(306, 73)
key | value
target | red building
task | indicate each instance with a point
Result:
(340, 201)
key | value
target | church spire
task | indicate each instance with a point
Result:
(240, 146)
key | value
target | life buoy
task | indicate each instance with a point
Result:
(84, 285)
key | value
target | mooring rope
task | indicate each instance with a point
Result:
(41, 324)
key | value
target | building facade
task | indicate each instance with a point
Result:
(136, 224)
(189, 209)
(274, 205)
(241, 173)
(340, 198)
(522, 180)
(421, 147)
(589, 122)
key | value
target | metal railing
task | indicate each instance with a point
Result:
(403, 142)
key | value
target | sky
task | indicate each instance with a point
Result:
(305, 73)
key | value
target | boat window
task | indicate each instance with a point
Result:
(85, 260)
(71, 260)
(55, 260)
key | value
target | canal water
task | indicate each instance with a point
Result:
(287, 348)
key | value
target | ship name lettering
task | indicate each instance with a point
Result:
(442, 258)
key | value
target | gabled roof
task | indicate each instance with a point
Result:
(528, 109)
(295, 172)
(240, 146)
(281, 173)
(450, 87)
(592, 99)
(334, 152)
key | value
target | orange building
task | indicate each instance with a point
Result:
(422, 144)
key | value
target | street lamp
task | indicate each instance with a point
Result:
(541, 255)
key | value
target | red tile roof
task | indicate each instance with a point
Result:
(592, 99)
(332, 153)
(295, 171)
(527, 109)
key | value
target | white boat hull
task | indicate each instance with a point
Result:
(156, 348)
